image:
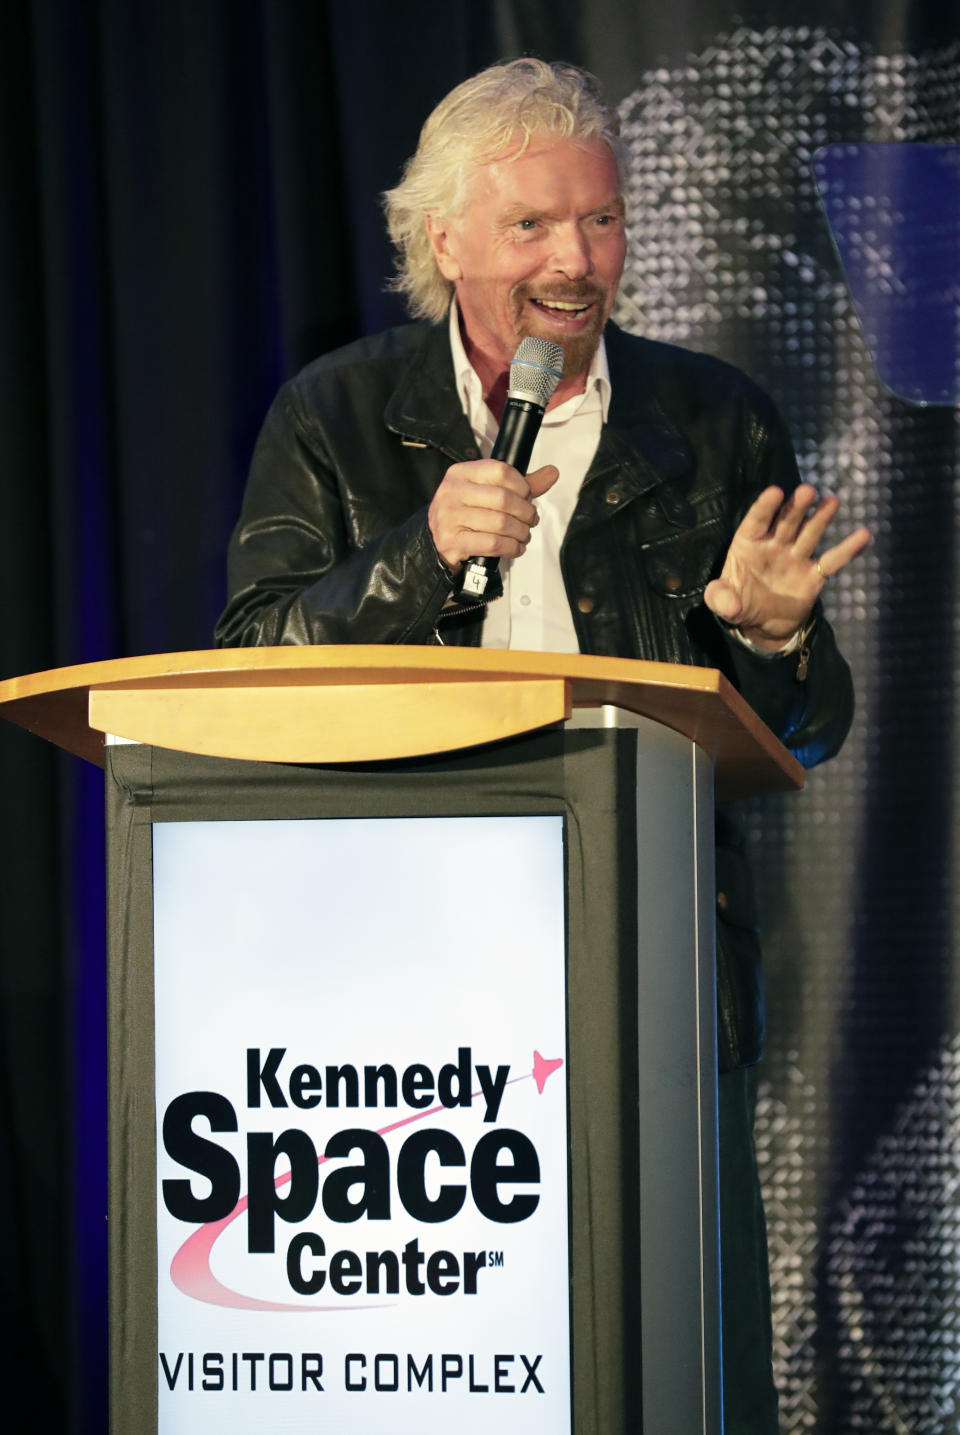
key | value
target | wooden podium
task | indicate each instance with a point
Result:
(615, 762)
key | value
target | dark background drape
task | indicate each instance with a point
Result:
(188, 213)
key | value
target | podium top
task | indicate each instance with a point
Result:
(368, 703)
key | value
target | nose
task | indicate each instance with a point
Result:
(571, 255)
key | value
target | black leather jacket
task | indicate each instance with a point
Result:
(333, 546)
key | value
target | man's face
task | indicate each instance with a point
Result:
(539, 251)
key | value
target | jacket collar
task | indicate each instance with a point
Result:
(425, 405)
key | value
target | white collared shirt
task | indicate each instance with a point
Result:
(533, 614)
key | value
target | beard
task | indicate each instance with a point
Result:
(578, 348)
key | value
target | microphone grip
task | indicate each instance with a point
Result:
(514, 445)
(518, 433)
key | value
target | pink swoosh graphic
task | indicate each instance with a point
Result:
(190, 1268)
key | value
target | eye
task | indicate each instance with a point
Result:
(526, 225)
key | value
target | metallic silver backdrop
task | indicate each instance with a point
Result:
(859, 1107)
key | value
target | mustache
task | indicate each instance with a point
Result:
(576, 293)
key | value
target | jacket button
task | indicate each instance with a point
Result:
(721, 900)
(585, 605)
(613, 495)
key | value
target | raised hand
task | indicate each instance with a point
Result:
(771, 578)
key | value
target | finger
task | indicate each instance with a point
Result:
(542, 479)
(756, 522)
(837, 557)
(483, 498)
(476, 543)
(495, 523)
(460, 494)
(795, 512)
(483, 489)
(724, 600)
(488, 472)
(816, 525)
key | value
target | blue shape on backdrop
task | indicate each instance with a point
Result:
(894, 213)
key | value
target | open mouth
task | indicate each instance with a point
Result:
(564, 310)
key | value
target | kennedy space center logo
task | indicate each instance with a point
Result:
(407, 1153)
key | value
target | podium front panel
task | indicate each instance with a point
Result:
(452, 1011)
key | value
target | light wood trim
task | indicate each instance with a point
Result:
(378, 663)
(698, 702)
(330, 723)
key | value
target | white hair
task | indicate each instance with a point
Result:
(500, 109)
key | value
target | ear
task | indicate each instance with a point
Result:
(443, 241)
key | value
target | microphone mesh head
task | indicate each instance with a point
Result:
(535, 371)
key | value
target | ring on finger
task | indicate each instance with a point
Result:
(825, 576)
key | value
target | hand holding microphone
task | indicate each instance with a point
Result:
(483, 510)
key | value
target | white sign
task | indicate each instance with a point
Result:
(362, 1126)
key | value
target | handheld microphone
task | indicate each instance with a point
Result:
(535, 371)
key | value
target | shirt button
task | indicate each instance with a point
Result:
(585, 605)
(525, 600)
(613, 495)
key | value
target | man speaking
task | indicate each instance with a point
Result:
(662, 517)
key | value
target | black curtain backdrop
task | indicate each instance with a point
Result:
(189, 211)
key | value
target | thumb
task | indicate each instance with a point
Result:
(541, 479)
(724, 600)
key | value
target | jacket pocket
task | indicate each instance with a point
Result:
(681, 565)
